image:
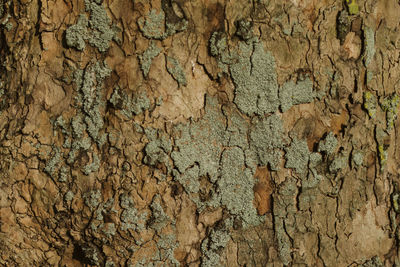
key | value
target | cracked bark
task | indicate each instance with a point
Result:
(122, 200)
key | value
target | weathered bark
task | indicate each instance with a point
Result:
(199, 133)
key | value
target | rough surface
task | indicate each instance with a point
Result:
(199, 133)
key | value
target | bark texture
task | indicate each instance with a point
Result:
(199, 133)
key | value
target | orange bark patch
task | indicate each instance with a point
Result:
(263, 190)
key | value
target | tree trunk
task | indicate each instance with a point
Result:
(199, 133)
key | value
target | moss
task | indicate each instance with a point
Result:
(391, 105)
(369, 43)
(370, 104)
(329, 144)
(266, 139)
(293, 94)
(145, 59)
(174, 68)
(297, 156)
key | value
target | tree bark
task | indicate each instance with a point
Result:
(199, 133)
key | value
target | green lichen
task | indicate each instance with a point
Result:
(352, 6)
(254, 76)
(297, 156)
(266, 139)
(370, 104)
(293, 94)
(369, 42)
(391, 105)
(382, 156)
(63, 174)
(244, 29)
(175, 69)
(189, 179)
(329, 144)
(146, 58)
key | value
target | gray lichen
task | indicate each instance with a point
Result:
(329, 144)
(176, 71)
(52, 164)
(338, 163)
(254, 76)
(76, 35)
(92, 199)
(155, 26)
(369, 42)
(284, 209)
(297, 156)
(235, 187)
(358, 158)
(159, 218)
(266, 137)
(93, 166)
(130, 217)
(157, 151)
(97, 30)
(296, 93)
(145, 59)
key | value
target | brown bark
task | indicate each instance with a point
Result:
(199, 133)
